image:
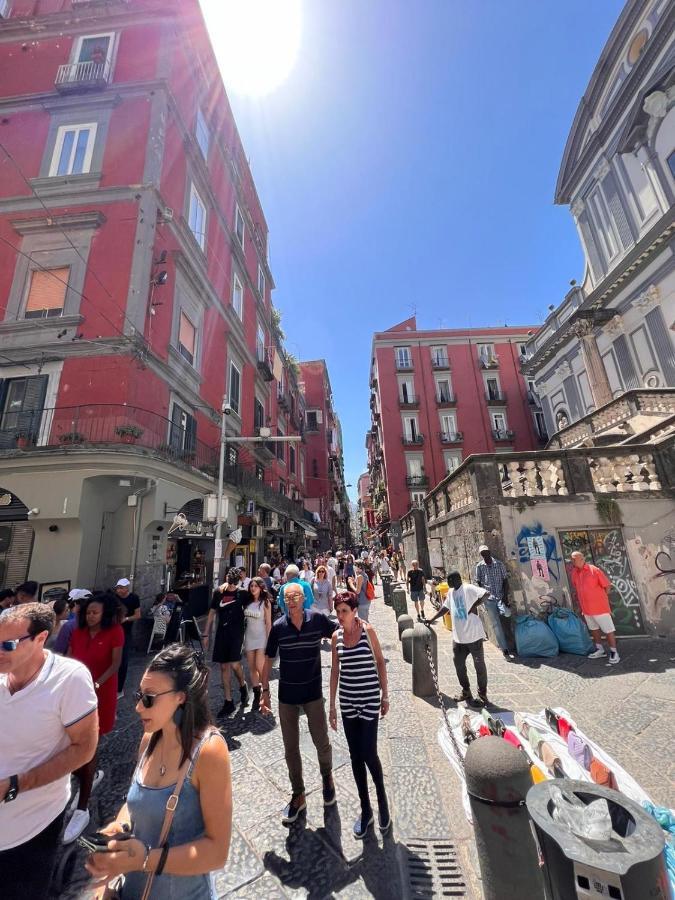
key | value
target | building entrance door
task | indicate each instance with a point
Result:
(605, 548)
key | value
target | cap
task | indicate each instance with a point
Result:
(483, 547)
(123, 582)
(79, 594)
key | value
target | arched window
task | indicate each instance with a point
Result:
(562, 419)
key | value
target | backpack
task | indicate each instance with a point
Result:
(370, 590)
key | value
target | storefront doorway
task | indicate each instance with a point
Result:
(16, 540)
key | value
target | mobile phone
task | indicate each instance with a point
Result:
(98, 843)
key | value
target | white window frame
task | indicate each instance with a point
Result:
(411, 432)
(237, 403)
(58, 148)
(238, 308)
(417, 498)
(494, 416)
(193, 361)
(439, 352)
(406, 385)
(414, 464)
(302, 468)
(439, 380)
(448, 418)
(456, 458)
(200, 237)
(77, 47)
(403, 356)
(239, 216)
(487, 352)
(260, 342)
(202, 133)
(262, 281)
(492, 377)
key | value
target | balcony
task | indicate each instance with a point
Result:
(445, 399)
(283, 401)
(451, 437)
(265, 365)
(502, 434)
(495, 398)
(410, 402)
(487, 361)
(404, 365)
(87, 76)
(416, 481)
(440, 362)
(412, 440)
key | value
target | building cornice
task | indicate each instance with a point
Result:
(63, 222)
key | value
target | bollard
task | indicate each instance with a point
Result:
(422, 678)
(404, 621)
(399, 601)
(497, 781)
(387, 588)
(407, 644)
(630, 865)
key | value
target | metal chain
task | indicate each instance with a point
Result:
(434, 674)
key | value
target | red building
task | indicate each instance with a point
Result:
(325, 490)
(436, 398)
(135, 294)
(366, 511)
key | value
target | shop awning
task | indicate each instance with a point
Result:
(307, 528)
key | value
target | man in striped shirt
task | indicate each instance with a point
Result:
(297, 638)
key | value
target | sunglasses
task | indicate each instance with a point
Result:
(148, 699)
(10, 646)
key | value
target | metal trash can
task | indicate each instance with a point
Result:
(629, 866)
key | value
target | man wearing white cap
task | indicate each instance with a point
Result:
(131, 604)
(491, 574)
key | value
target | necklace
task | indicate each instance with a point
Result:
(13, 690)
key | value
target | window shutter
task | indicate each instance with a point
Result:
(191, 434)
(625, 360)
(591, 249)
(662, 344)
(47, 293)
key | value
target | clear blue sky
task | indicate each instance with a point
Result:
(410, 159)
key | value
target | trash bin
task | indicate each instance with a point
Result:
(629, 866)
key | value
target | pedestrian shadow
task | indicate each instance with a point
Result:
(651, 656)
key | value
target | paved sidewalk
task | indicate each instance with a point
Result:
(318, 856)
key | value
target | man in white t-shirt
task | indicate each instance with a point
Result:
(468, 635)
(48, 708)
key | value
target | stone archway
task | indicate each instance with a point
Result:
(16, 540)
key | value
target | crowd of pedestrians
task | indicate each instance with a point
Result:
(63, 665)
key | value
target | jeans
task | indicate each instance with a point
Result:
(289, 720)
(493, 613)
(361, 737)
(459, 655)
(27, 869)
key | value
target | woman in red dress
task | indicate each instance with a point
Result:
(98, 643)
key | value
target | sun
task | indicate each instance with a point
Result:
(256, 42)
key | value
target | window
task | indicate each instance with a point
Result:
(410, 429)
(417, 498)
(197, 217)
(406, 391)
(187, 338)
(73, 150)
(238, 296)
(486, 354)
(183, 430)
(492, 388)
(443, 390)
(522, 349)
(202, 134)
(47, 293)
(261, 281)
(95, 49)
(448, 425)
(312, 421)
(403, 358)
(258, 414)
(499, 422)
(280, 446)
(452, 460)
(439, 357)
(232, 456)
(22, 408)
(291, 459)
(239, 226)
(302, 469)
(260, 340)
(282, 487)
(414, 465)
(260, 472)
(603, 224)
(235, 387)
(540, 426)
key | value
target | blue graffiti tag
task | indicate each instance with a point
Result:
(552, 557)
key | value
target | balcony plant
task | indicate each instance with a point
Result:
(129, 433)
(71, 437)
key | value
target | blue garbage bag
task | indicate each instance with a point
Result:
(571, 632)
(666, 819)
(534, 638)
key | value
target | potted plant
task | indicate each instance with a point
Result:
(23, 440)
(72, 437)
(129, 433)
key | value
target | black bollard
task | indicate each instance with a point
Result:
(404, 621)
(407, 644)
(497, 780)
(399, 601)
(423, 640)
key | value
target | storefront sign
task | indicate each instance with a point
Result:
(197, 529)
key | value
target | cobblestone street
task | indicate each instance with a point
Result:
(628, 709)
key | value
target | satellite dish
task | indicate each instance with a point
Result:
(179, 523)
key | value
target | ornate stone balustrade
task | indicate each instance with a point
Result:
(575, 434)
(660, 402)
(534, 478)
(459, 493)
(633, 472)
(618, 411)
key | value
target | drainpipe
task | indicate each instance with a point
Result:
(149, 485)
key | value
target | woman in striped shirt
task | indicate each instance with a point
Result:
(360, 673)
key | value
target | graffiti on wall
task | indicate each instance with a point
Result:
(655, 562)
(539, 569)
(534, 535)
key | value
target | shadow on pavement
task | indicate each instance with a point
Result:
(648, 655)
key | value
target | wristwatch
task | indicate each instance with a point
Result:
(13, 789)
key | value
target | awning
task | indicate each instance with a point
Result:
(307, 528)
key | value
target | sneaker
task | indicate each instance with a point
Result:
(227, 709)
(293, 809)
(329, 797)
(384, 820)
(483, 699)
(597, 654)
(508, 654)
(362, 825)
(614, 658)
(464, 697)
(243, 695)
(76, 826)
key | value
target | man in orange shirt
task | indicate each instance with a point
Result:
(591, 585)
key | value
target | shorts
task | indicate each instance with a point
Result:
(417, 596)
(603, 621)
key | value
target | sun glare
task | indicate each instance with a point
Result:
(256, 42)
